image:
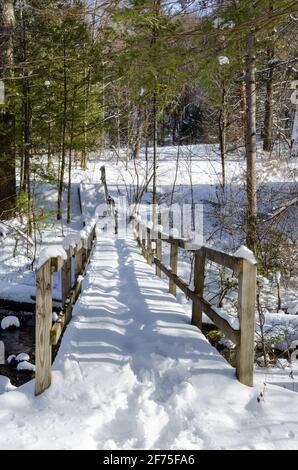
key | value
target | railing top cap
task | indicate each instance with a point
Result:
(55, 251)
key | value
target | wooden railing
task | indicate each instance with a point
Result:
(243, 337)
(77, 252)
(113, 212)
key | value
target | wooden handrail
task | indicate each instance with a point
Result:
(243, 337)
(47, 335)
(219, 257)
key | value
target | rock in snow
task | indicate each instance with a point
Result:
(22, 357)
(26, 366)
(10, 321)
(11, 358)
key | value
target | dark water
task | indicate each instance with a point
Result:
(16, 341)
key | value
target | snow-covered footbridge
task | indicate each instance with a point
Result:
(133, 372)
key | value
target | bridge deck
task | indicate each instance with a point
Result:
(133, 373)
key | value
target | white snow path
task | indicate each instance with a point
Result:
(133, 373)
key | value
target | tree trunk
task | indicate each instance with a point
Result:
(222, 125)
(139, 135)
(26, 124)
(63, 143)
(156, 6)
(268, 119)
(50, 162)
(154, 181)
(251, 144)
(70, 161)
(242, 93)
(7, 148)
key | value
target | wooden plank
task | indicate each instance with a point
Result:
(43, 350)
(137, 232)
(104, 181)
(90, 244)
(219, 257)
(72, 298)
(66, 278)
(85, 253)
(158, 255)
(246, 309)
(199, 278)
(149, 247)
(2, 353)
(221, 323)
(143, 241)
(174, 265)
(223, 259)
(78, 259)
(56, 332)
(116, 221)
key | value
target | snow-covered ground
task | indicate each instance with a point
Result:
(133, 373)
(17, 274)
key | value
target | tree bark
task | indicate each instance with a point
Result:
(154, 182)
(70, 160)
(222, 125)
(63, 142)
(7, 121)
(251, 143)
(268, 119)
(26, 125)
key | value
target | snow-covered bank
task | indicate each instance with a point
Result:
(133, 373)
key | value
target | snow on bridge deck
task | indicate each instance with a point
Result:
(133, 373)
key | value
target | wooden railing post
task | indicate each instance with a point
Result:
(137, 231)
(78, 259)
(2, 353)
(104, 181)
(174, 265)
(199, 276)
(43, 314)
(158, 253)
(149, 247)
(90, 243)
(116, 221)
(85, 252)
(43, 349)
(246, 311)
(143, 240)
(66, 277)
